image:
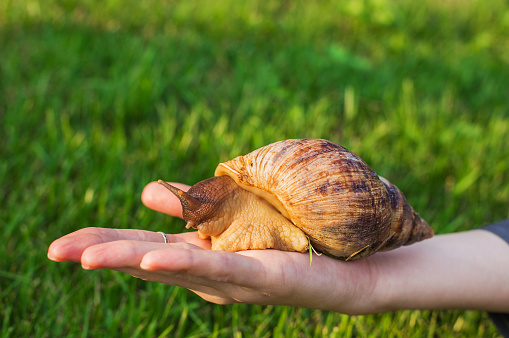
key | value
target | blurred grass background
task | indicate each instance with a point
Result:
(97, 98)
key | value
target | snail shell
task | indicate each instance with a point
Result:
(310, 189)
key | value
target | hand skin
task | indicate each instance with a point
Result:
(467, 270)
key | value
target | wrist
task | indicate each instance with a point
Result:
(455, 271)
(356, 288)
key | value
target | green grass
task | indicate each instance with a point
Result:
(99, 98)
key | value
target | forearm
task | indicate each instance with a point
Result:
(468, 270)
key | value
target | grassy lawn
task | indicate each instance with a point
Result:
(99, 98)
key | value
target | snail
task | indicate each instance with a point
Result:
(291, 194)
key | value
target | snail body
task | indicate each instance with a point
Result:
(291, 193)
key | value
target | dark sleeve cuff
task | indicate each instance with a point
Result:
(501, 320)
(500, 228)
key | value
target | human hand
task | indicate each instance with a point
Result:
(455, 271)
(254, 276)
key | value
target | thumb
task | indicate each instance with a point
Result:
(158, 198)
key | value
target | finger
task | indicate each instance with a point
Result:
(157, 197)
(71, 246)
(190, 238)
(225, 277)
(218, 266)
(218, 276)
(198, 285)
(123, 254)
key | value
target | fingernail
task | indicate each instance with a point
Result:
(87, 267)
(146, 265)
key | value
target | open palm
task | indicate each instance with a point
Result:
(254, 276)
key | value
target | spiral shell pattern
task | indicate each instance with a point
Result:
(331, 194)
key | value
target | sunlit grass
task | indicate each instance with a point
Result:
(97, 99)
